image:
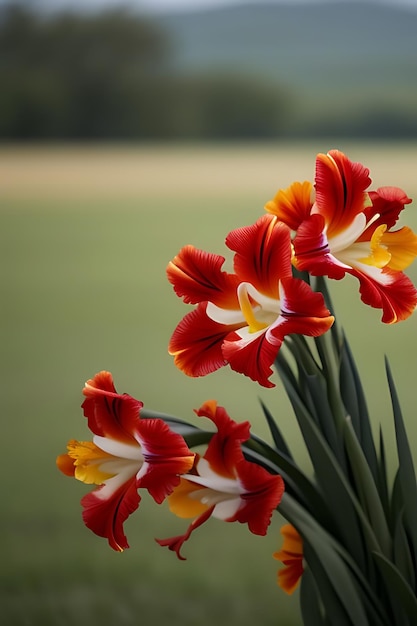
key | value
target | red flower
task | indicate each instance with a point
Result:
(346, 229)
(223, 484)
(126, 453)
(241, 319)
(291, 554)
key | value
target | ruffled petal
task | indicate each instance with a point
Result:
(289, 576)
(110, 414)
(340, 190)
(262, 494)
(292, 205)
(224, 451)
(291, 555)
(105, 515)
(197, 277)
(402, 246)
(166, 457)
(251, 354)
(312, 253)
(196, 343)
(263, 253)
(393, 292)
(303, 311)
(387, 203)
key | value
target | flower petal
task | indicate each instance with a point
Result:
(251, 354)
(387, 202)
(402, 246)
(110, 414)
(196, 343)
(66, 464)
(197, 277)
(303, 311)
(340, 190)
(292, 205)
(262, 494)
(291, 555)
(182, 501)
(312, 252)
(105, 515)
(393, 292)
(263, 253)
(224, 451)
(166, 457)
(175, 543)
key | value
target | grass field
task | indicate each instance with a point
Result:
(86, 235)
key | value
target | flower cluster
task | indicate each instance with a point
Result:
(242, 318)
(351, 538)
(129, 453)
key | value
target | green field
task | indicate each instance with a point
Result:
(86, 235)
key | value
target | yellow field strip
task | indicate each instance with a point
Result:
(113, 171)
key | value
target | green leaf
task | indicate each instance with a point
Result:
(353, 526)
(367, 490)
(310, 603)
(397, 587)
(334, 578)
(320, 284)
(332, 556)
(276, 434)
(406, 472)
(382, 477)
(328, 586)
(402, 555)
(296, 482)
(355, 403)
(323, 414)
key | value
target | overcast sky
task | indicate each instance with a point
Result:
(163, 5)
(178, 4)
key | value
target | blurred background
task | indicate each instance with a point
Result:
(120, 70)
(127, 130)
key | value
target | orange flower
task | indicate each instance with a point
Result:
(291, 554)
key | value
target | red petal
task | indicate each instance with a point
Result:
(175, 543)
(166, 455)
(253, 358)
(197, 277)
(312, 252)
(304, 311)
(340, 190)
(397, 300)
(263, 253)
(105, 517)
(110, 414)
(224, 451)
(388, 202)
(263, 494)
(196, 343)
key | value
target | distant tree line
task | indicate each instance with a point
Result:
(107, 76)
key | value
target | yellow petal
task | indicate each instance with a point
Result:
(379, 257)
(402, 245)
(87, 461)
(183, 504)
